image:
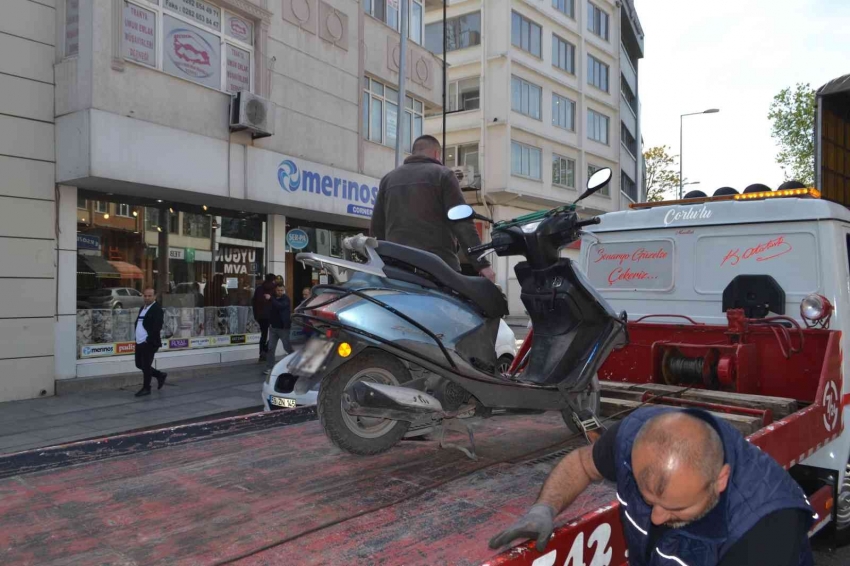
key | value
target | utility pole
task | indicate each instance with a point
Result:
(402, 70)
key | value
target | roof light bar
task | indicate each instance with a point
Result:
(785, 193)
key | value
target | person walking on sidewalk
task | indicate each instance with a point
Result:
(262, 298)
(280, 325)
(148, 341)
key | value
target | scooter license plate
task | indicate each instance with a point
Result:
(313, 356)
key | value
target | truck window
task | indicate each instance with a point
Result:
(644, 265)
(790, 258)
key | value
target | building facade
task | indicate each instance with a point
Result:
(540, 94)
(126, 166)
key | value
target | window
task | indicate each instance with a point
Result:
(101, 207)
(597, 21)
(563, 171)
(82, 203)
(72, 27)
(152, 222)
(461, 32)
(123, 210)
(568, 7)
(381, 115)
(525, 160)
(197, 225)
(525, 98)
(628, 187)
(563, 55)
(563, 112)
(525, 34)
(597, 126)
(387, 13)
(597, 73)
(591, 169)
(464, 94)
(463, 156)
(628, 140)
(628, 95)
(198, 42)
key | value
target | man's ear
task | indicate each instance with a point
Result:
(722, 481)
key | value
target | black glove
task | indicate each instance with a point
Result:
(536, 524)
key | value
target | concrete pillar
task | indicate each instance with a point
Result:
(65, 356)
(276, 262)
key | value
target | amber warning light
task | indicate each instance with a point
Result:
(785, 193)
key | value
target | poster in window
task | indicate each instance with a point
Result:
(238, 69)
(237, 28)
(191, 53)
(197, 10)
(139, 35)
(72, 27)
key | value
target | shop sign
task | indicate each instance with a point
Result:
(86, 242)
(139, 34)
(219, 340)
(297, 239)
(176, 253)
(98, 350)
(190, 255)
(289, 181)
(191, 53)
(253, 339)
(125, 348)
(197, 10)
(237, 339)
(237, 261)
(178, 343)
(238, 69)
(199, 342)
(232, 283)
(238, 28)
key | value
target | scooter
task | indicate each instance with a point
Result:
(407, 343)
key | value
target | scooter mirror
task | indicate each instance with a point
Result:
(596, 182)
(460, 212)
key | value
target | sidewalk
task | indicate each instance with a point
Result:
(36, 423)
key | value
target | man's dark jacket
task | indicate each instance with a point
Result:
(260, 303)
(279, 312)
(152, 324)
(411, 210)
(758, 487)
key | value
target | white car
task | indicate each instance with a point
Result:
(505, 353)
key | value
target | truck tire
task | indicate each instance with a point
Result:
(591, 400)
(364, 436)
(841, 528)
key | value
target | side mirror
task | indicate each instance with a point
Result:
(460, 212)
(597, 181)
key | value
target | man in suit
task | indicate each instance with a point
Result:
(148, 341)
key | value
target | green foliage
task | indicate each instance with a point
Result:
(792, 114)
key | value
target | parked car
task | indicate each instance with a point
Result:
(505, 353)
(116, 298)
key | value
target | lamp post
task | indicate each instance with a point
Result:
(681, 122)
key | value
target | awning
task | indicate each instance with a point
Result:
(127, 270)
(97, 265)
(841, 84)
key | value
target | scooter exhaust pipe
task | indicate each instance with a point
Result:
(377, 400)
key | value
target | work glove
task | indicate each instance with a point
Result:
(536, 524)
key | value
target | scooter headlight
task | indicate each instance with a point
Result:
(530, 228)
(815, 308)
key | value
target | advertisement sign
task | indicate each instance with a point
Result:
(139, 35)
(631, 265)
(237, 339)
(297, 239)
(86, 242)
(238, 69)
(190, 255)
(175, 253)
(197, 10)
(191, 53)
(201, 342)
(95, 350)
(176, 343)
(289, 181)
(219, 340)
(237, 260)
(128, 348)
(125, 348)
(240, 29)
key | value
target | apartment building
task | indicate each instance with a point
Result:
(540, 94)
(127, 164)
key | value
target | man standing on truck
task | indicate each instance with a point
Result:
(412, 204)
(692, 491)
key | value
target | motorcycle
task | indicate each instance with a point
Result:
(407, 343)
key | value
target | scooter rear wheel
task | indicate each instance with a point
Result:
(363, 436)
(590, 400)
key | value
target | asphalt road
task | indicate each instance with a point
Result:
(826, 556)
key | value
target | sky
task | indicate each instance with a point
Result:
(735, 55)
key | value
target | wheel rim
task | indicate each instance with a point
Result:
(842, 508)
(504, 366)
(369, 427)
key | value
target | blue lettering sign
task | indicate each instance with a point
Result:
(292, 180)
(86, 242)
(297, 239)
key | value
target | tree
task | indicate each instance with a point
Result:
(661, 176)
(792, 113)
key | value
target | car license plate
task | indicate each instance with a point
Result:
(312, 356)
(282, 402)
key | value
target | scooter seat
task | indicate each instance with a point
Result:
(478, 290)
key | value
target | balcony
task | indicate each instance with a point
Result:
(631, 30)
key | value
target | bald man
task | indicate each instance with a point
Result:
(692, 492)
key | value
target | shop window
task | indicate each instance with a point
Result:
(101, 207)
(200, 42)
(82, 203)
(206, 292)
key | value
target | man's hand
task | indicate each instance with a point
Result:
(536, 524)
(268, 297)
(488, 273)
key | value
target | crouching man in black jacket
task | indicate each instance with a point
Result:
(148, 341)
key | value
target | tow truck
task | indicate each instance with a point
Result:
(738, 304)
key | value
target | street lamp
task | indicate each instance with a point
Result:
(681, 121)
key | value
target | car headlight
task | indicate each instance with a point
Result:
(815, 308)
(269, 378)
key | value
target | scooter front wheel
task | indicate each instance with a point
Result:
(363, 436)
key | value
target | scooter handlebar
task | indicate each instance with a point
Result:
(590, 222)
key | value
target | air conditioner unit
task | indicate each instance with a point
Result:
(465, 176)
(252, 113)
